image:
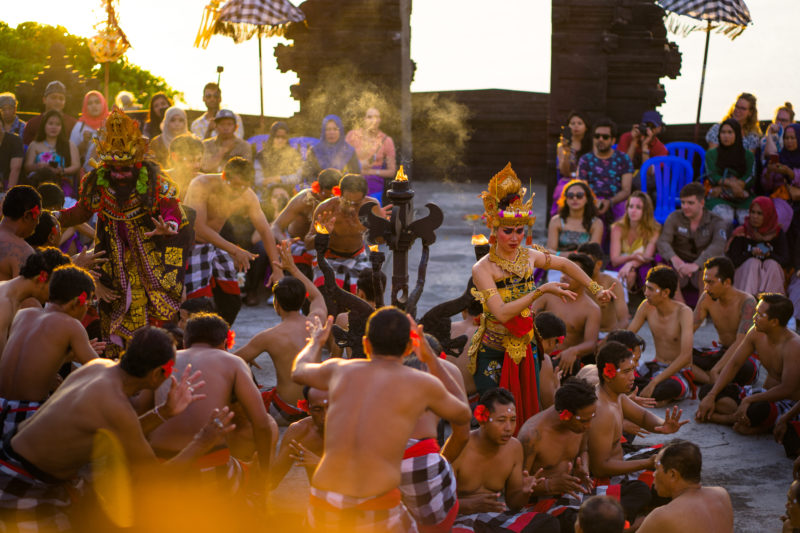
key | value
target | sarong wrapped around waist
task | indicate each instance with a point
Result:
(333, 512)
(428, 485)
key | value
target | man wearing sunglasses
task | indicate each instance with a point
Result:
(608, 172)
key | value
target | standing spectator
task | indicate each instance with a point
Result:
(375, 152)
(772, 142)
(205, 125)
(781, 177)
(575, 141)
(280, 163)
(577, 222)
(173, 125)
(633, 241)
(93, 116)
(55, 98)
(218, 150)
(11, 154)
(690, 236)
(642, 145)
(52, 147)
(332, 151)
(8, 112)
(608, 172)
(758, 248)
(744, 112)
(159, 103)
(729, 168)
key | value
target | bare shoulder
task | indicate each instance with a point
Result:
(298, 430)
(659, 519)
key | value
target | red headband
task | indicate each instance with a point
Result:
(168, 367)
(481, 413)
(609, 371)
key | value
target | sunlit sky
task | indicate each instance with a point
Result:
(456, 44)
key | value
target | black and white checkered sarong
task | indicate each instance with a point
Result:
(207, 263)
(15, 412)
(428, 486)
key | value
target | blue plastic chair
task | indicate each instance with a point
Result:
(689, 151)
(258, 140)
(303, 144)
(671, 174)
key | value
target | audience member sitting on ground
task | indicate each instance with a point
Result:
(759, 249)
(159, 103)
(614, 314)
(745, 112)
(332, 151)
(22, 208)
(225, 145)
(600, 514)
(577, 221)
(574, 143)
(205, 126)
(729, 170)
(54, 99)
(375, 153)
(173, 126)
(781, 177)
(93, 117)
(772, 142)
(52, 147)
(643, 143)
(691, 236)
(280, 163)
(633, 241)
(302, 443)
(693, 508)
(608, 172)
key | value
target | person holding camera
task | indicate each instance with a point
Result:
(642, 142)
(758, 248)
(574, 142)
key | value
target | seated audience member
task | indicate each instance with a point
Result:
(781, 177)
(173, 126)
(614, 313)
(332, 151)
(93, 116)
(606, 461)
(555, 441)
(668, 377)
(577, 221)
(159, 103)
(750, 411)
(22, 207)
(52, 147)
(690, 236)
(634, 238)
(692, 508)
(772, 141)
(218, 150)
(552, 332)
(47, 232)
(731, 312)
(581, 315)
(608, 172)
(11, 156)
(55, 98)
(759, 249)
(8, 113)
(42, 464)
(185, 159)
(745, 112)
(302, 443)
(205, 126)
(791, 520)
(643, 143)
(490, 465)
(600, 514)
(280, 163)
(574, 143)
(375, 153)
(729, 170)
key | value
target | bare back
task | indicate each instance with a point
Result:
(464, 327)
(732, 318)
(13, 253)
(295, 219)
(575, 314)
(703, 510)
(545, 446)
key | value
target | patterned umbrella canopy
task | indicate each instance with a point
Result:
(244, 19)
(730, 17)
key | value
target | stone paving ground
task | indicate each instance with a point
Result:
(753, 469)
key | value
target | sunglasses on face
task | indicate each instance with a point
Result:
(518, 231)
(572, 195)
(604, 136)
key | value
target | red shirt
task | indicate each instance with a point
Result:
(656, 147)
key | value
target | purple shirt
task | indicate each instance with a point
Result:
(604, 176)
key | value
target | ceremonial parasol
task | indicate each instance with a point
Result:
(110, 43)
(729, 17)
(244, 19)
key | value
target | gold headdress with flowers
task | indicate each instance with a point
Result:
(120, 142)
(505, 187)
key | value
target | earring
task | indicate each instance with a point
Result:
(492, 239)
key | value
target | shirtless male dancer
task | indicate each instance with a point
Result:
(22, 206)
(468, 325)
(778, 349)
(359, 491)
(614, 313)
(581, 315)
(731, 311)
(616, 370)
(48, 452)
(227, 379)
(693, 508)
(492, 463)
(556, 441)
(41, 341)
(552, 331)
(284, 341)
(214, 261)
(667, 377)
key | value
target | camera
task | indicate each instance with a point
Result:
(643, 128)
(53, 164)
(566, 134)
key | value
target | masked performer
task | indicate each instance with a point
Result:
(504, 348)
(140, 226)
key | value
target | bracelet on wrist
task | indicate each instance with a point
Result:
(155, 410)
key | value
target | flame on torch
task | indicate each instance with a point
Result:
(478, 240)
(400, 176)
(373, 248)
(319, 228)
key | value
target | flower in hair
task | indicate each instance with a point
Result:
(565, 415)
(81, 298)
(303, 405)
(168, 367)
(35, 211)
(610, 371)
(42, 277)
(560, 339)
(315, 187)
(336, 190)
(414, 336)
(442, 355)
(230, 339)
(481, 413)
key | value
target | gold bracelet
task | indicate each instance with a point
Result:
(595, 287)
(536, 294)
(490, 292)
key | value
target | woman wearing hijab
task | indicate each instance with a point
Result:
(280, 163)
(781, 178)
(730, 174)
(174, 124)
(758, 248)
(331, 151)
(93, 115)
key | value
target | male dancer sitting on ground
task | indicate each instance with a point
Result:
(731, 311)
(49, 451)
(614, 313)
(600, 514)
(750, 411)
(581, 315)
(668, 377)
(284, 341)
(693, 508)
(491, 464)
(213, 261)
(302, 443)
(606, 461)
(556, 441)
(552, 331)
(358, 491)
(226, 380)
(41, 340)
(22, 207)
